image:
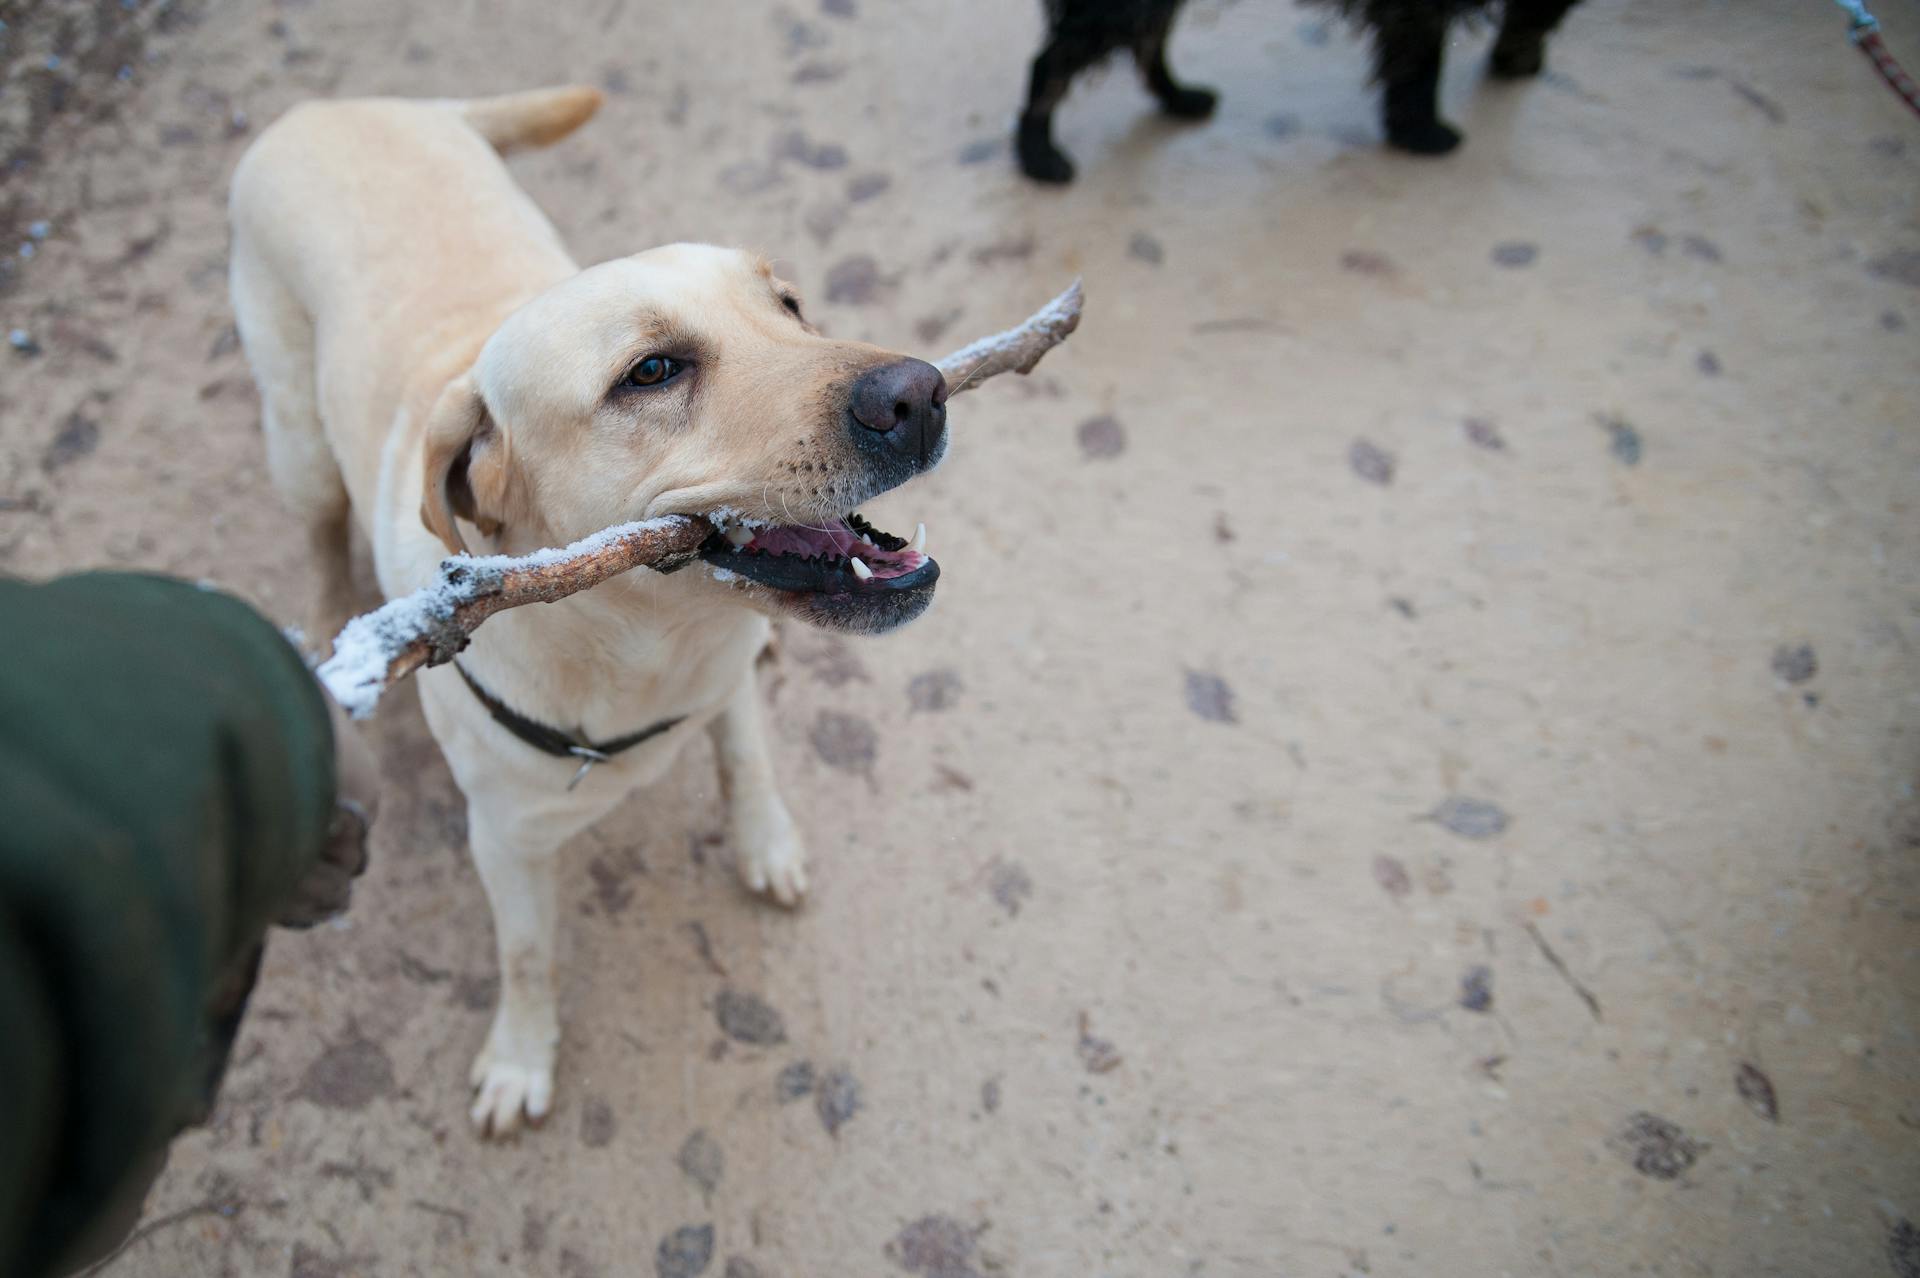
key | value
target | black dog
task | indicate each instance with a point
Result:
(1408, 39)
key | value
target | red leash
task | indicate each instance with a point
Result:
(1865, 32)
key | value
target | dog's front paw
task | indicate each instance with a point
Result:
(771, 859)
(1190, 104)
(1517, 57)
(1429, 137)
(1041, 160)
(510, 1087)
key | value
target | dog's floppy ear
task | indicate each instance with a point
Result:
(468, 463)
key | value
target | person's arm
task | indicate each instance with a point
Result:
(168, 789)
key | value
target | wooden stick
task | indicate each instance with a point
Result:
(375, 651)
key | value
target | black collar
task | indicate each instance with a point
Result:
(555, 741)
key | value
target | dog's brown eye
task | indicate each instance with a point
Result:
(792, 304)
(653, 370)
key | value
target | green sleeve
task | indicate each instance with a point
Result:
(166, 778)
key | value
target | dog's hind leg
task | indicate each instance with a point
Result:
(767, 849)
(1521, 50)
(278, 337)
(1185, 102)
(1408, 42)
(1053, 70)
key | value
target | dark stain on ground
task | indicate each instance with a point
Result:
(1011, 250)
(1223, 529)
(1650, 238)
(855, 281)
(575, 1265)
(77, 437)
(1367, 262)
(1482, 433)
(1404, 606)
(1760, 102)
(1209, 697)
(935, 1247)
(1623, 441)
(795, 145)
(1471, 818)
(749, 177)
(983, 150)
(829, 659)
(348, 1075)
(1700, 248)
(1656, 1147)
(990, 1096)
(1476, 989)
(818, 72)
(1010, 885)
(800, 36)
(1514, 254)
(1795, 662)
(747, 1018)
(933, 691)
(1281, 127)
(1707, 363)
(684, 1253)
(1903, 1249)
(703, 946)
(612, 875)
(1145, 248)
(1101, 437)
(793, 1083)
(476, 993)
(702, 1161)
(307, 1262)
(1099, 1055)
(1391, 874)
(1756, 1089)
(1901, 266)
(1371, 462)
(366, 1178)
(839, 8)
(533, 1229)
(844, 741)
(597, 1123)
(836, 1099)
(930, 328)
(867, 186)
(741, 1267)
(951, 780)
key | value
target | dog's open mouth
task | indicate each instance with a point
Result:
(844, 573)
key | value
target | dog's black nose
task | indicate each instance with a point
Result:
(905, 404)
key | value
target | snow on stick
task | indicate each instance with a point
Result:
(378, 649)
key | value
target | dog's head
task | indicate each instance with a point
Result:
(686, 380)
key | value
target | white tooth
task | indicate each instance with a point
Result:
(739, 536)
(920, 540)
(861, 570)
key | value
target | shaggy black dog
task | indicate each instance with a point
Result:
(1408, 39)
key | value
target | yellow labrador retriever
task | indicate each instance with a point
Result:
(433, 364)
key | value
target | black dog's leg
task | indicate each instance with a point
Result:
(1186, 102)
(1053, 71)
(1408, 51)
(1521, 50)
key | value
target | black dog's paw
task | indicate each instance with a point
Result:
(1519, 58)
(1189, 104)
(1042, 161)
(1430, 137)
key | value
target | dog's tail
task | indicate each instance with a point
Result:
(537, 117)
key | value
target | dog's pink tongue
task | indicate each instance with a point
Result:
(841, 542)
(793, 539)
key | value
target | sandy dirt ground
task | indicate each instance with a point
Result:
(1410, 771)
